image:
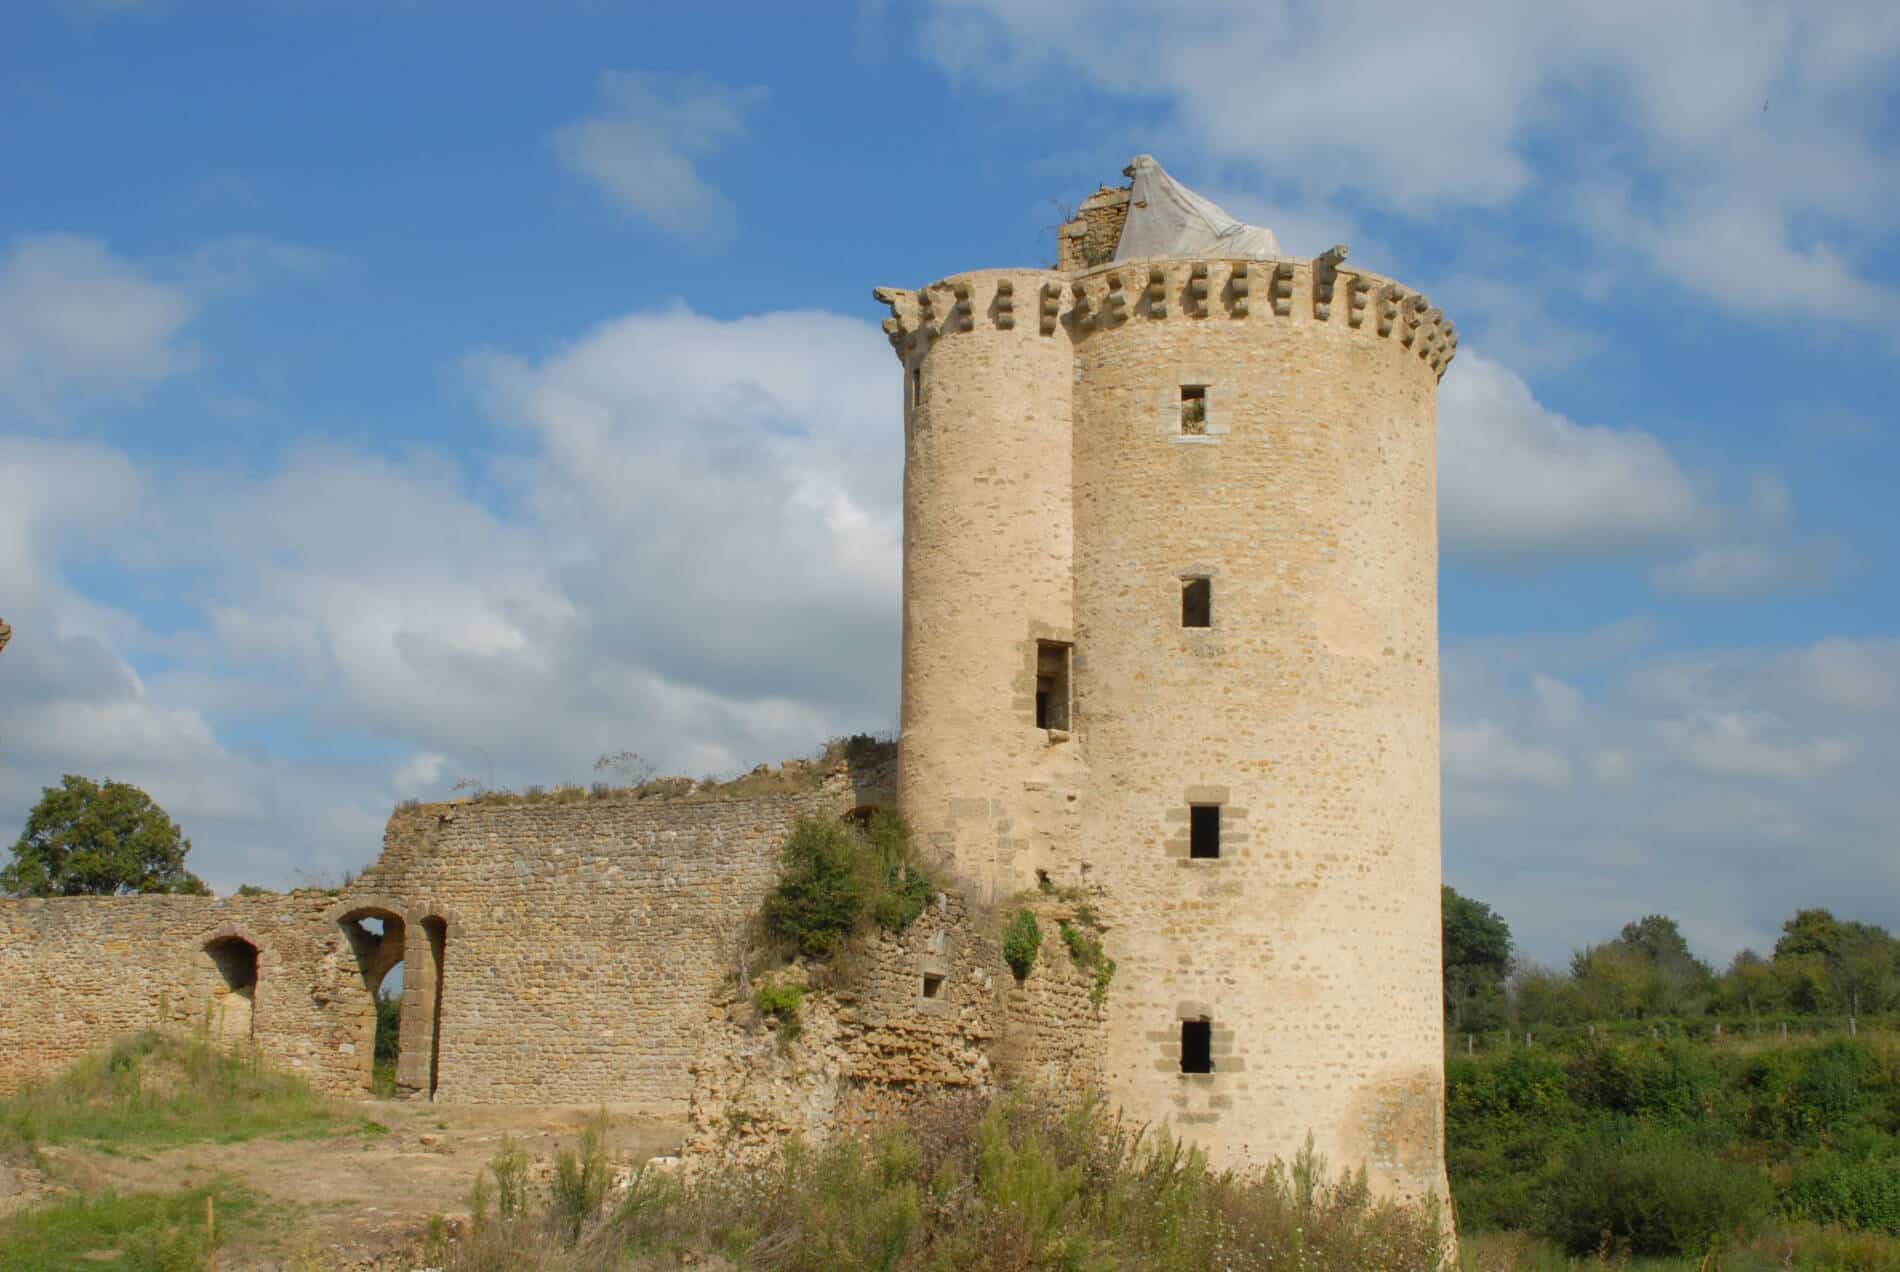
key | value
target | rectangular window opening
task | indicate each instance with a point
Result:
(1197, 1046)
(1052, 685)
(933, 985)
(1194, 408)
(1203, 830)
(1197, 602)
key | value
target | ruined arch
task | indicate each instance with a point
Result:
(416, 938)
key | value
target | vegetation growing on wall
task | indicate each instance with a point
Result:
(838, 880)
(1085, 950)
(1022, 941)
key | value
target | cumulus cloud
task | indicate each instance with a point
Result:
(642, 149)
(81, 325)
(1733, 146)
(1520, 483)
(77, 320)
(702, 564)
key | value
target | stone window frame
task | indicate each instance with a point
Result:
(1164, 409)
(1023, 699)
(1178, 843)
(1223, 1050)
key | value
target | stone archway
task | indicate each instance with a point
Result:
(417, 941)
(241, 962)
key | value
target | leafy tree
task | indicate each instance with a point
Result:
(1854, 966)
(1477, 952)
(88, 839)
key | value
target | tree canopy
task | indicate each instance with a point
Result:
(1477, 950)
(85, 838)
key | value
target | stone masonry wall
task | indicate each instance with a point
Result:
(76, 972)
(584, 940)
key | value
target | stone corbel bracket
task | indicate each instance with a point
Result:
(1325, 277)
(1157, 292)
(1049, 307)
(1237, 288)
(1280, 291)
(906, 314)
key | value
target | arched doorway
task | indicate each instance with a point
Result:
(403, 977)
(234, 1001)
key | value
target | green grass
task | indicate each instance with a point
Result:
(158, 1231)
(157, 1090)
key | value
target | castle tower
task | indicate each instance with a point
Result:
(1171, 635)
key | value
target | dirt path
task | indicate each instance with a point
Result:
(345, 1201)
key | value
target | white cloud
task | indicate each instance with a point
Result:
(642, 149)
(80, 325)
(702, 566)
(75, 320)
(1744, 571)
(1642, 126)
(1519, 482)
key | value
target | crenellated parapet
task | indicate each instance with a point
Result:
(1322, 290)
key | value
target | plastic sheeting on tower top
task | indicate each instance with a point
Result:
(1165, 218)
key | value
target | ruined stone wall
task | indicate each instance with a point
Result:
(583, 941)
(77, 972)
(873, 1044)
(1092, 237)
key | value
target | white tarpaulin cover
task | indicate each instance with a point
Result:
(1166, 218)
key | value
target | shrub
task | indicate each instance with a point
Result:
(781, 1003)
(1651, 1193)
(509, 1166)
(580, 1180)
(820, 898)
(960, 1182)
(1862, 1194)
(1022, 941)
(838, 877)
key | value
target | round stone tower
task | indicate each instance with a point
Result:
(1171, 637)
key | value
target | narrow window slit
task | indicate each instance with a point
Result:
(1197, 602)
(1197, 1046)
(1052, 685)
(1204, 830)
(1194, 408)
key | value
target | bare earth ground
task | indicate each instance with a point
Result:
(356, 1201)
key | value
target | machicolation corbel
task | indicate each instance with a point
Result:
(1079, 315)
(1003, 308)
(1388, 306)
(1157, 292)
(1197, 290)
(1414, 308)
(1050, 308)
(1325, 275)
(1115, 304)
(1237, 289)
(962, 315)
(1280, 289)
(1358, 289)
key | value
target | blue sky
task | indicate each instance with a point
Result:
(388, 391)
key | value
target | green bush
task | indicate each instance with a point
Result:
(837, 877)
(579, 1185)
(781, 1003)
(1863, 1194)
(1022, 941)
(1651, 1193)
